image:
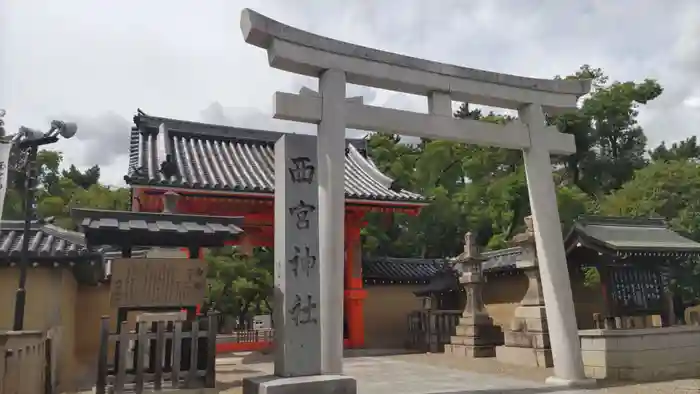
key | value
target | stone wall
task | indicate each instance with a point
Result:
(642, 354)
(502, 295)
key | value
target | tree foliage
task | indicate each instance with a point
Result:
(57, 191)
(240, 285)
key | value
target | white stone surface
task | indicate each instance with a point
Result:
(319, 384)
(300, 108)
(297, 278)
(331, 210)
(300, 52)
(551, 257)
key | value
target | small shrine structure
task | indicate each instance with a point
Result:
(155, 285)
(229, 172)
(633, 257)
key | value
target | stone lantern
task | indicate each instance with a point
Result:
(476, 336)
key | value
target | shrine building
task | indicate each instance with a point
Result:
(229, 171)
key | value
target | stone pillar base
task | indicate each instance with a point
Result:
(578, 383)
(316, 384)
(524, 356)
(470, 351)
(476, 337)
(527, 343)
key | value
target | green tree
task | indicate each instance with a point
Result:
(610, 143)
(84, 179)
(687, 149)
(57, 191)
(239, 285)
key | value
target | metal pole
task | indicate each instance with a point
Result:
(21, 295)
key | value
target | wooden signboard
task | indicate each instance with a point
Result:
(157, 282)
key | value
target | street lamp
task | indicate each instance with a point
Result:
(28, 141)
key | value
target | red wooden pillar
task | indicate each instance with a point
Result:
(354, 293)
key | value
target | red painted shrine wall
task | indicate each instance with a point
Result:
(257, 210)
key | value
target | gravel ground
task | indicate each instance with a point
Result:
(232, 369)
(491, 366)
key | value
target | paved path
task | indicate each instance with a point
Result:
(401, 374)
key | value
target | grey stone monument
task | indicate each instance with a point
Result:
(335, 64)
(476, 335)
(297, 303)
(527, 341)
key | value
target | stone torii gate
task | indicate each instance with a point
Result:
(337, 63)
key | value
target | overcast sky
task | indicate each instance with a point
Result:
(98, 61)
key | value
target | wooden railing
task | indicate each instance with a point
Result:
(430, 331)
(246, 341)
(247, 336)
(181, 354)
(24, 363)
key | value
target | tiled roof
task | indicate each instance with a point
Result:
(630, 235)
(47, 243)
(400, 270)
(204, 156)
(52, 243)
(155, 229)
(503, 259)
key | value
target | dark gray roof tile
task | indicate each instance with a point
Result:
(402, 270)
(631, 235)
(235, 159)
(155, 229)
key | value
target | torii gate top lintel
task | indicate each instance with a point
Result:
(299, 51)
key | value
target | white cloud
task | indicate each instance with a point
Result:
(96, 62)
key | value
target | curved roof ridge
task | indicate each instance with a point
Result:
(586, 220)
(369, 167)
(225, 158)
(221, 130)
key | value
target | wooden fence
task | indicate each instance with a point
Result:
(431, 330)
(25, 363)
(177, 354)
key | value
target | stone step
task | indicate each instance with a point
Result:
(538, 340)
(530, 357)
(476, 331)
(470, 351)
(471, 341)
(533, 325)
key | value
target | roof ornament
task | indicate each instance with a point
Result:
(170, 199)
(168, 167)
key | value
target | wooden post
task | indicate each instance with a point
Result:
(121, 360)
(157, 361)
(101, 385)
(212, 330)
(192, 373)
(177, 354)
(141, 349)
